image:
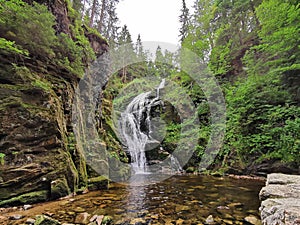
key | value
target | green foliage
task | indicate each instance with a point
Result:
(253, 49)
(29, 30)
(220, 59)
(19, 21)
(42, 84)
(2, 155)
(280, 41)
(69, 55)
(172, 133)
(261, 121)
(10, 47)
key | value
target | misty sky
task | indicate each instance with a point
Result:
(155, 20)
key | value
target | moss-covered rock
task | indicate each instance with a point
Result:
(27, 198)
(59, 188)
(38, 159)
(45, 220)
(97, 183)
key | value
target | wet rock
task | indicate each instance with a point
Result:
(138, 221)
(230, 222)
(210, 220)
(252, 220)
(107, 220)
(222, 207)
(236, 205)
(124, 221)
(97, 219)
(45, 220)
(50, 214)
(31, 197)
(26, 207)
(71, 213)
(97, 183)
(16, 217)
(168, 221)
(201, 187)
(59, 188)
(30, 221)
(179, 221)
(82, 218)
(155, 216)
(79, 209)
(180, 208)
(2, 218)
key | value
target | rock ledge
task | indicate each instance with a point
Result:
(280, 200)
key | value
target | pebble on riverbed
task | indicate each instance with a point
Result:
(210, 220)
(16, 217)
(82, 218)
(26, 207)
(30, 221)
(252, 220)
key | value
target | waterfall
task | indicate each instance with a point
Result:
(175, 165)
(135, 127)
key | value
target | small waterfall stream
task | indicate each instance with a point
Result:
(136, 129)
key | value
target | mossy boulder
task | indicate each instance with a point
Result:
(97, 183)
(45, 220)
(27, 198)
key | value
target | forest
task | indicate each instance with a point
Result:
(252, 49)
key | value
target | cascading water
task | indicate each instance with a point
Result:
(135, 127)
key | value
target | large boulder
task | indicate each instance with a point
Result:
(280, 200)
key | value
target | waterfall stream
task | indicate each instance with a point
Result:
(136, 128)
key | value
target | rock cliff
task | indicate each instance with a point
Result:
(39, 159)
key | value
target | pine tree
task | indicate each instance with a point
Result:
(139, 50)
(126, 49)
(184, 21)
(110, 26)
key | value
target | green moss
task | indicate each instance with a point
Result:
(28, 198)
(2, 155)
(42, 84)
(59, 188)
(107, 220)
(45, 220)
(97, 183)
(14, 87)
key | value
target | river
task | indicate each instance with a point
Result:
(180, 199)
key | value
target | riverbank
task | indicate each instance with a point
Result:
(280, 200)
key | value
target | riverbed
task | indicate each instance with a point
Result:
(179, 199)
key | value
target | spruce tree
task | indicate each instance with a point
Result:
(184, 21)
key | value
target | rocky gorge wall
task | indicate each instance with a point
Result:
(39, 159)
(280, 200)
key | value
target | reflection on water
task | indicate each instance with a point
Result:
(181, 199)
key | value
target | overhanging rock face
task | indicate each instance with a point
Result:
(280, 200)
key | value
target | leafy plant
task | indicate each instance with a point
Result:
(2, 155)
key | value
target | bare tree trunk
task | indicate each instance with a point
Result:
(83, 10)
(103, 7)
(93, 12)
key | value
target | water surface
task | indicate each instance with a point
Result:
(180, 199)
